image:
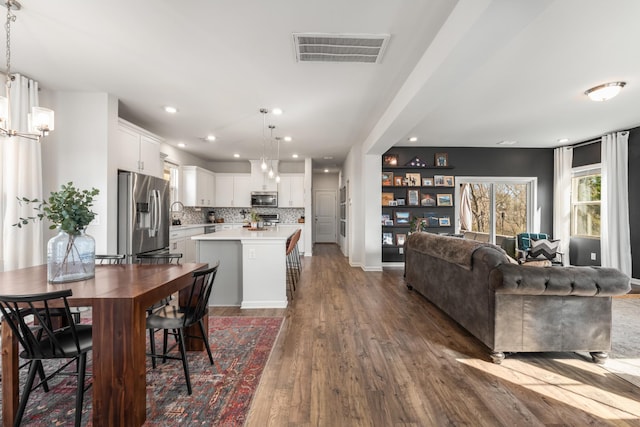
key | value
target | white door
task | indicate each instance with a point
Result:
(324, 207)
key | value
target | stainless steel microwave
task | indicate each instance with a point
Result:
(264, 199)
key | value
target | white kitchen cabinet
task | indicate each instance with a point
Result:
(180, 242)
(291, 191)
(138, 150)
(233, 190)
(198, 186)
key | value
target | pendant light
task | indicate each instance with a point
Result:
(278, 157)
(271, 173)
(40, 120)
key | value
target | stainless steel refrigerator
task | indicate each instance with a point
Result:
(143, 214)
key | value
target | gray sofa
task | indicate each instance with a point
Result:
(510, 307)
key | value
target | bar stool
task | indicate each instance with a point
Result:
(293, 261)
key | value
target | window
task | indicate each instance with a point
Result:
(585, 203)
(495, 206)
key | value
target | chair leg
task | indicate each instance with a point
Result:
(45, 385)
(185, 363)
(80, 392)
(205, 338)
(33, 370)
(152, 344)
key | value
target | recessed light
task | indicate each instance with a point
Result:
(563, 140)
(236, 155)
(288, 139)
(181, 144)
(171, 110)
(413, 139)
(605, 91)
(326, 170)
(328, 157)
(277, 111)
(507, 142)
(211, 138)
(295, 156)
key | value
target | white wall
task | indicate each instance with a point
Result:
(76, 151)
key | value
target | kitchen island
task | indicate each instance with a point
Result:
(253, 271)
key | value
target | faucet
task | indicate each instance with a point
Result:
(244, 213)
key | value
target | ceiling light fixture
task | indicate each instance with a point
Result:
(263, 163)
(288, 139)
(507, 142)
(295, 156)
(605, 91)
(181, 144)
(563, 140)
(41, 120)
(278, 159)
(277, 111)
(211, 138)
(271, 173)
(413, 139)
(171, 110)
(236, 155)
(326, 171)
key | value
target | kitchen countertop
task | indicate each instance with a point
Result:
(208, 224)
(269, 233)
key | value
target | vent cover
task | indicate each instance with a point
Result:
(317, 47)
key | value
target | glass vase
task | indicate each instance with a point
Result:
(70, 257)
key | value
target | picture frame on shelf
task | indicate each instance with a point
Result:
(385, 218)
(432, 219)
(423, 224)
(427, 199)
(393, 203)
(397, 181)
(448, 181)
(413, 197)
(438, 180)
(390, 160)
(402, 217)
(413, 179)
(444, 199)
(444, 221)
(400, 201)
(441, 160)
(427, 182)
(400, 239)
(387, 239)
(388, 222)
(387, 179)
(387, 197)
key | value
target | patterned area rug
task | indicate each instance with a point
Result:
(222, 393)
(624, 358)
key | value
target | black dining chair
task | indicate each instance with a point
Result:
(175, 319)
(44, 327)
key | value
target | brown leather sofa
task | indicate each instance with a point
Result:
(511, 307)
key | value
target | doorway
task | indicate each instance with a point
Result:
(324, 209)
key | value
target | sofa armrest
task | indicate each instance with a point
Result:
(562, 281)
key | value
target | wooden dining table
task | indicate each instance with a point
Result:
(118, 296)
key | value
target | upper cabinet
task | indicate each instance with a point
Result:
(291, 191)
(233, 190)
(198, 186)
(138, 150)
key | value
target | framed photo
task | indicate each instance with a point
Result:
(386, 198)
(393, 203)
(402, 217)
(427, 200)
(444, 221)
(432, 219)
(390, 159)
(448, 181)
(400, 201)
(387, 239)
(388, 222)
(438, 180)
(413, 197)
(397, 181)
(400, 238)
(427, 182)
(413, 179)
(441, 159)
(444, 199)
(385, 217)
(387, 178)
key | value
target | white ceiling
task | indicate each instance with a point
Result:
(466, 73)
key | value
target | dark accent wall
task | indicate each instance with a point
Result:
(524, 162)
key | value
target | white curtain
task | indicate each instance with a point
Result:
(615, 239)
(466, 214)
(563, 158)
(21, 176)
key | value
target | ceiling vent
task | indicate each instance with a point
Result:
(317, 47)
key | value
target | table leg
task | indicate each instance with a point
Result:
(10, 378)
(119, 370)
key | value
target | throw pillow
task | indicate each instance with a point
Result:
(544, 248)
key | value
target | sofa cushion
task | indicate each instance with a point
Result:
(544, 249)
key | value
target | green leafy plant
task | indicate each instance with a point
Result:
(255, 217)
(68, 209)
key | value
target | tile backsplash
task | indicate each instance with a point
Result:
(237, 215)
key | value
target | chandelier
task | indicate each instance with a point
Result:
(40, 120)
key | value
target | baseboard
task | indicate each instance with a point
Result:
(365, 268)
(635, 281)
(393, 265)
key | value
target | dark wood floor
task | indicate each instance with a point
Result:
(359, 349)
